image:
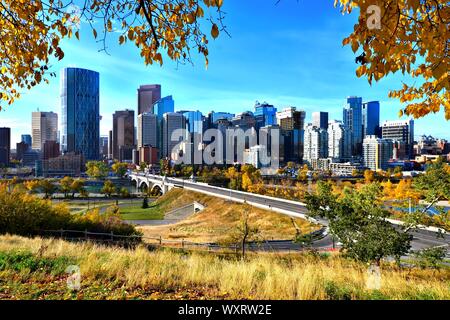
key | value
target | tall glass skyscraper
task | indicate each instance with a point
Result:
(353, 121)
(194, 121)
(371, 118)
(164, 105)
(265, 115)
(80, 117)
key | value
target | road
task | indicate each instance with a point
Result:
(421, 238)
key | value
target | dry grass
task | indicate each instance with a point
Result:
(117, 273)
(218, 220)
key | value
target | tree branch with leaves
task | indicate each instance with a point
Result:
(31, 33)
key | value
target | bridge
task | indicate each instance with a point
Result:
(425, 237)
(164, 184)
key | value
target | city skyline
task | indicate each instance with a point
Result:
(242, 69)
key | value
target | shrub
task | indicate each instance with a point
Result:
(27, 215)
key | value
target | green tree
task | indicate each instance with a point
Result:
(431, 257)
(97, 169)
(358, 220)
(48, 187)
(143, 166)
(65, 185)
(124, 193)
(77, 186)
(119, 168)
(434, 186)
(108, 188)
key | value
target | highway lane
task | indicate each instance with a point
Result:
(421, 238)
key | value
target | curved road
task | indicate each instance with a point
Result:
(421, 238)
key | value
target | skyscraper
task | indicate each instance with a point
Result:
(148, 95)
(164, 105)
(316, 143)
(147, 130)
(44, 127)
(376, 152)
(27, 139)
(320, 119)
(291, 122)
(171, 122)
(50, 150)
(265, 115)
(371, 118)
(80, 117)
(244, 120)
(104, 146)
(194, 123)
(123, 135)
(339, 141)
(352, 116)
(400, 131)
(5, 145)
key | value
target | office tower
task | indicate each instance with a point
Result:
(290, 118)
(80, 117)
(403, 132)
(316, 143)
(376, 152)
(164, 105)
(110, 144)
(292, 122)
(148, 95)
(50, 150)
(371, 118)
(147, 130)
(194, 121)
(320, 120)
(339, 141)
(171, 121)
(21, 148)
(27, 139)
(104, 144)
(44, 127)
(265, 115)
(244, 120)
(123, 135)
(352, 116)
(149, 155)
(214, 117)
(5, 146)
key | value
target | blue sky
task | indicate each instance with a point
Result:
(288, 54)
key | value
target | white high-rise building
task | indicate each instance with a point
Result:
(377, 152)
(316, 143)
(147, 130)
(339, 141)
(401, 131)
(44, 127)
(171, 122)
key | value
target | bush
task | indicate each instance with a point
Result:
(27, 215)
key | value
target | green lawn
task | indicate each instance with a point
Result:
(135, 212)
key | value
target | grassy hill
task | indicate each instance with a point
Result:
(35, 269)
(219, 219)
